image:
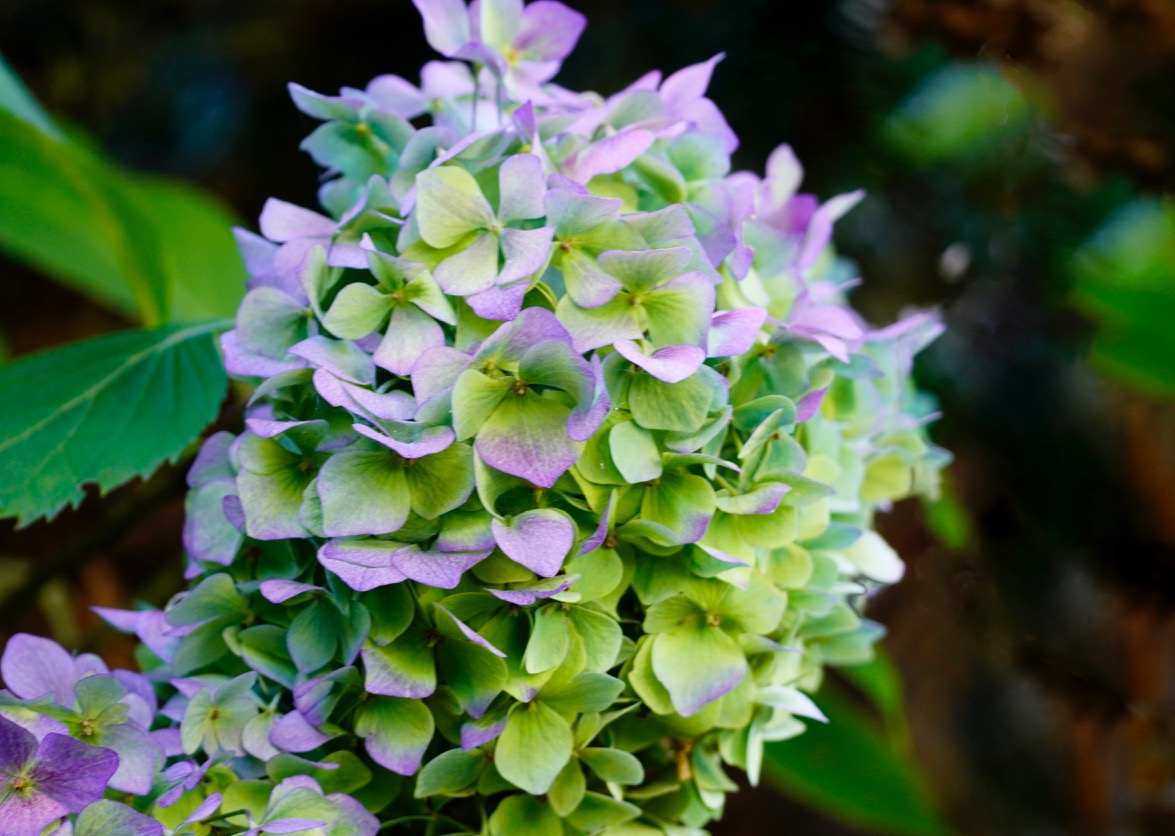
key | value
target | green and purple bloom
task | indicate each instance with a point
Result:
(553, 500)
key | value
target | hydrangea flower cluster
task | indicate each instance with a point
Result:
(556, 491)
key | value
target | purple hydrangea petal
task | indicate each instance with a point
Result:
(362, 564)
(208, 534)
(415, 441)
(281, 222)
(234, 511)
(671, 364)
(291, 733)
(33, 666)
(733, 332)
(809, 404)
(718, 554)
(549, 31)
(347, 254)
(136, 758)
(212, 462)
(538, 539)
(689, 83)
(826, 319)
(71, 773)
(140, 698)
(205, 809)
(598, 536)
(521, 184)
(384, 406)
(433, 567)
(480, 732)
(528, 440)
(820, 227)
(472, 270)
(446, 24)
(342, 358)
(17, 747)
(499, 304)
(574, 212)
(360, 821)
(28, 816)
(243, 362)
(610, 154)
(470, 633)
(525, 252)
(168, 741)
(586, 418)
(280, 590)
(258, 253)
(397, 95)
(531, 327)
(267, 428)
(149, 625)
(436, 371)
(410, 333)
(524, 596)
(465, 533)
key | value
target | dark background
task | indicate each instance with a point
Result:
(1034, 629)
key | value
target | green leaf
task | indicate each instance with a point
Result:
(198, 256)
(313, 636)
(150, 247)
(17, 100)
(406, 667)
(104, 817)
(601, 635)
(852, 771)
(598, 811)
(956, 113)
(614, 765)
(103, 410)
(263, 648)
(535, 745)
(568, 789)
(391, 612)
(521, 815)
(363, 493)
(358, 310)
(680, 654)
(449, 205)
(679, 407)
(215, 597)
(549, 640)
(450, 772)
(396, 732)
(1122, 277)
(442, 481)
(475, 675)
(634, 452)
(299, 803)
(345, 773)
(584, 692)
(475, 397)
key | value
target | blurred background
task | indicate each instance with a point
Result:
(1016, 155)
